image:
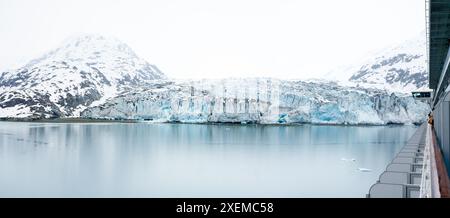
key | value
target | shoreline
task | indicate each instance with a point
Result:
(87, 121)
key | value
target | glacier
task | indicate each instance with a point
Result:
(261, 101)
(96, 77)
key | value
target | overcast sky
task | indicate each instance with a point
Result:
(213, 39)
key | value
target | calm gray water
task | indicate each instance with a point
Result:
(183, 160)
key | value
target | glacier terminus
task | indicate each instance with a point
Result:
(261, 100)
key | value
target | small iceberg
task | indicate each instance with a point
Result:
(348, 160)
(364, 170)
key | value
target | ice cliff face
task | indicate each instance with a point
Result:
(267, 101)
(83, 72)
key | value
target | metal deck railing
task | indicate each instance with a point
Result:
(429, 187)
(413, 172)
(427, 35)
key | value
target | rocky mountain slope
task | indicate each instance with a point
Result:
(400, 68)
(84, 71)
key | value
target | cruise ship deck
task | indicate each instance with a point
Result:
(421, 168)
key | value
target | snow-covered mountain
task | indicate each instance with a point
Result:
(261, 100)
(400, 68)
(99, 77)
(84, 71)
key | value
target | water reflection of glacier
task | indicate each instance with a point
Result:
(188, 160)
(262, 101)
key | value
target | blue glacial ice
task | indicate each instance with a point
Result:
(261, 100)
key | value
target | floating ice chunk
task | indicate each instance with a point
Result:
(348, 160)
(364, 170)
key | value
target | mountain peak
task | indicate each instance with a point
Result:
(85, 70)
(113, 58)
(92, 46)
(400, 67)
(95, 41)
